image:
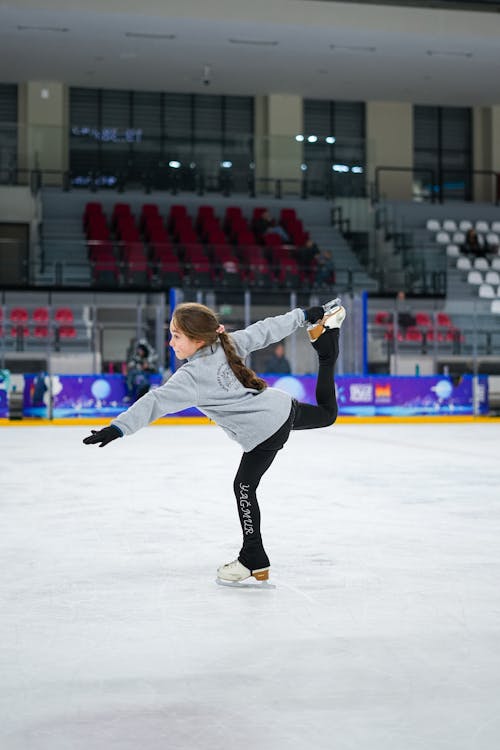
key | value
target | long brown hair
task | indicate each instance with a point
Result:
(200, 323)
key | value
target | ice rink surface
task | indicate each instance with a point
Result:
(383, 631)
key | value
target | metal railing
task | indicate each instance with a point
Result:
(440, 184)
(171, 181)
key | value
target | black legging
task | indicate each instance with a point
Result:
(256, 462)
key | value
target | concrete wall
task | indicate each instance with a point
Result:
(278, 119)
(43, 126)
(389, 136)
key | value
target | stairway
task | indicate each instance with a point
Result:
(346, 263)
(64, 255)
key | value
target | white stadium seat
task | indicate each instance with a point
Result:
(495, 264)
(443, 238)
(482, 226)
(464, 264)
(433, 225)
(458, 238)
(492, 277)
(495, 307)
(486, 291)
(495, 226)
(475, 278)
(481, 264)
(464, 225)
(450, 225)
(492, 239)
(453, 251)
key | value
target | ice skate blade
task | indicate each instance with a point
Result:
(244, 584)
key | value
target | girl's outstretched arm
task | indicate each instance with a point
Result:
(267, 331)
(178, 393)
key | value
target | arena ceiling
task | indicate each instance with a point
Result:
(308, 47)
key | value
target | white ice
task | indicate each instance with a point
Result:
(383, 631)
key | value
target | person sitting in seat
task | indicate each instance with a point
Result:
(265, 224)
(474, 245)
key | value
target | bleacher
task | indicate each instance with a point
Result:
(111, 242)
(201, 248)
(34, 327)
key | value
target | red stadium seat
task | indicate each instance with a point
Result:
(41, 332)
(444, 320)
(227, 264)
(64, 315)
(67, 332)
(40, 315)
(423, 319)
(383, 318)
(413, 335)
(256, 266)
(18, 315)
(20, 331)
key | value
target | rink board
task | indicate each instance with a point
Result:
(103, 396)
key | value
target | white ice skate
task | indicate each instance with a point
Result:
(234, 573)
(333, 318)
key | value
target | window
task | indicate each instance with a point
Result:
(443, 151)
(8, 132)
(334, 147)
(139, 135)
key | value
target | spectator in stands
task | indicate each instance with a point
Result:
(140, 366)
(474, 245)
(306, 256)
(277, 362)
(325, 269)
(406, 318)
(265, 224)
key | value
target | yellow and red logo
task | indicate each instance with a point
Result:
(383, 392)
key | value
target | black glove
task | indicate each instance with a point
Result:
(104, 436)
(313, 314)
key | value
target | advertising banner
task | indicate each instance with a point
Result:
(106, 395)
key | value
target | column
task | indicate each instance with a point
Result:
(43, 115)
(389, 139)
(486, 152)
(278, 119)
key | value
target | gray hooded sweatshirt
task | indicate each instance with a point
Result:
(207, 382)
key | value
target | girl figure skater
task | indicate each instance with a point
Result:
(216, 381)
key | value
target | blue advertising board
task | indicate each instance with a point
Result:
(105, 395)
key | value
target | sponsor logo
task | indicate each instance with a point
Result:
(361, 393)
(383, 392)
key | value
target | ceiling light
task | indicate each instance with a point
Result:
(54, 29)
(357, 170)
(312, 138)
(148, 35)
(340, 167)
(255, 42)
(330, 139)
(444, 53)
(303, 167)
(174, 164)
(352, 48)
(299, 138)
(226, 164)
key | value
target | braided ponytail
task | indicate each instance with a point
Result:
(200, 323)
(244, 374)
